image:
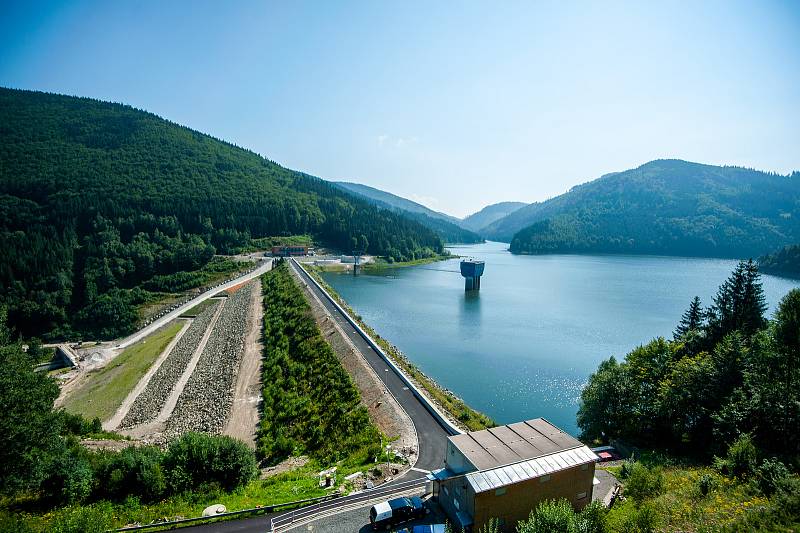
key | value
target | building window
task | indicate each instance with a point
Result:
(581, 495)
(446, 490)
(455, 504)
(585, 466)
(500, 491)
(544, 478)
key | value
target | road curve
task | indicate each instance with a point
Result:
(266, 264)
(430, 433)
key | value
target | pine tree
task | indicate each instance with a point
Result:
(753, 302)
(691, 320)
(739, 304)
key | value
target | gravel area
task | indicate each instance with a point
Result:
(149, 403)
(205, 403)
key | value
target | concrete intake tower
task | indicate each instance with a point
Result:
(472, 271)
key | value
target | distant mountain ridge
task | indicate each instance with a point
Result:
(670, 207)
(448, 228)
(99, 201)
(478, 221)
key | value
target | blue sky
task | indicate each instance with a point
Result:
(454, 104)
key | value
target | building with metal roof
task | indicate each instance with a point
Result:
(504, 472)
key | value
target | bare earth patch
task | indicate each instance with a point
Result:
(243, 421)
(286, 465)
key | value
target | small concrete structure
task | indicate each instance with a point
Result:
(504, 472)
(214, 510)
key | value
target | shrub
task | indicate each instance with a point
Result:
(706, 484)
(770, 475)
(551, 516)
(69, 478)
(492, 526)
(132, 471)
(742, 456)
(625, 469)
(592, 519)
(644, 482)
(196, 459)
(74, 424)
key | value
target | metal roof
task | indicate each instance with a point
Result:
(503, 445)
(514, 473)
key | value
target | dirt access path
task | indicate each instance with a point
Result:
(115, 420)
(243, 421)
(384, 410)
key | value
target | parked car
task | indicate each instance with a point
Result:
(387, 514)
(427, 528)
(606, 453)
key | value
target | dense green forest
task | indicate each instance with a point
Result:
(727, 371)
(491, 213)
(98, 199)
(784, 262)
(311, 406)
(668, 207)
(723, 391)
(447, 227)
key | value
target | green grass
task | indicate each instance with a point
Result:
(458, 409)
(683, 508)
(199, 308)
(104, 389)
(298, 484)
(265, 243)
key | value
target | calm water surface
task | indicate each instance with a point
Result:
(524, 346)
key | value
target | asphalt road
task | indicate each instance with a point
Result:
(431, 435)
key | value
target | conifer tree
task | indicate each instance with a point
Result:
(739, 304)
(753, 304)
(691, 320)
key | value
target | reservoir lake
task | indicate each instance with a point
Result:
(525, 344)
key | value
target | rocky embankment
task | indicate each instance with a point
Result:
(150, 402)
(205, 403)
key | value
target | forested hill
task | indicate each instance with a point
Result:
(478, 221)
(784, 262)
(447, 227)
(667, 207)
(97, 198)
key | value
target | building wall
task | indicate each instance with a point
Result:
(288, 251)
(455, 461)
(455, 495)
(516, 501)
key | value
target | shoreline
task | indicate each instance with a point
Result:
(457, 409)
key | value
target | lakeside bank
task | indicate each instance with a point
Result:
(460, 413)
